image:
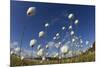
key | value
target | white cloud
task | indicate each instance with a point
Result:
(14, 44)
(51, 43)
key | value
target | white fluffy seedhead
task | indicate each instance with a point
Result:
(70, 16)
(41, 34)
(31, 11)
(17, 49)
(47, 46)
(32, 42)
(76, 21)
(22, 57)
(81, 41)
(47, 24)
(57, 34)
(63, 28)
(43, 58)
(39, 47)
(70, 27)
(64, 49)
(72, 33)
(59, 43)
(54, 38)
(40, 53)
(73, 40)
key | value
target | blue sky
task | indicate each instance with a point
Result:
(54, 14)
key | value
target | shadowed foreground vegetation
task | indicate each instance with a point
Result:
(88, 56)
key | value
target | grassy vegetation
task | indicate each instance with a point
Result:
(86, 57)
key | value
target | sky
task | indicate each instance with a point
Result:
(54, 14)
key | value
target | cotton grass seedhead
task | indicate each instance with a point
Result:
(47, 24)
(47, 46)
(59, 43)
(31, 11)
(70, 16)
(39, 47)
(72, 33)
(22, 57)
(57, 34)
(73, 40)
(54, 38)
(41, 34)
(64, 49)
(43, 58)
(17, 49)
(33, 42)
(40, 52)
(76, 21)
(81, 41)
(91, 46)
(63, 28)
(70, 27)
